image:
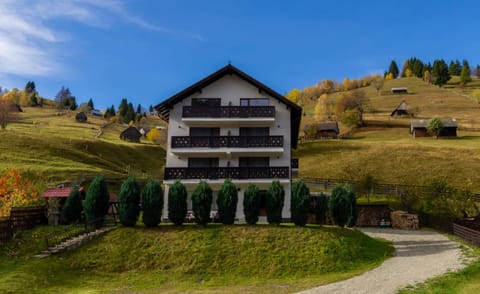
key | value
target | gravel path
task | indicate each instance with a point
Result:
(419, 255)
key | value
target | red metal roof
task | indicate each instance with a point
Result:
(57, 192)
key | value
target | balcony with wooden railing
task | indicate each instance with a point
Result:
(226, 142)
(213, 173)
(229, 112)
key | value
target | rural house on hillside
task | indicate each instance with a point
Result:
(418, 128)
(402, 109)
(81, 117)
(328, 129)
(229, 125)
(131, 134)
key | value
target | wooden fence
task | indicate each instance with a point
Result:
(21, 218)
(380, 188)
(468, 234)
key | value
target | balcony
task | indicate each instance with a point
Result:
(229, 114)
(213, 173)
(227, 142)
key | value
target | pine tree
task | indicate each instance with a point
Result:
(274, 202)
(393, 69)
(202, 203)
(177, 203)
(72, 210)
(152, 203)
(300, 202)
(227, 202)
(465, 75)
(440, 72)
(90, 104)
(97, 201)
(129, 202)
(129, 114)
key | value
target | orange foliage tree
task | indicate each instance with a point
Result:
(19, 188)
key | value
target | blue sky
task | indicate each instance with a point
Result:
(147, 50)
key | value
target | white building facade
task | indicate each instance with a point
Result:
(229, 125)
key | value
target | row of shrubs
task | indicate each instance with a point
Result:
(341, 206)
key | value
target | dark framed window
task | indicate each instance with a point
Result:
(206, 102)
(254, 161)
(204, 132)
(203, 162)
(263, 131)
(254, 101)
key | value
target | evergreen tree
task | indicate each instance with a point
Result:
(393, 69)
(129, 114)
(465, 76)
(129, 202)
(177, 203)
(122, 109)
(274, 202)
(97, 201)
(251, 204)
(72, 210)
(454, 68)
(90, 104)
(202, 203)
(342, 206)
(139, 109)
(300, 202)
(30, 87)
(227, 202)
(440, 72)
(321, 209)
(152, 203)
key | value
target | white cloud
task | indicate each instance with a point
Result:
(28, 37)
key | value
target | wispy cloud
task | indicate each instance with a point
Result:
(28, 35)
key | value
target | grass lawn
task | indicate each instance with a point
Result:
(190, 258)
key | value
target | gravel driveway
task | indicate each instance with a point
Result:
(419, 255)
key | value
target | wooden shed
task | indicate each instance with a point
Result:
(418, 128)
(402, 109)
(328, 129)
(56, 198)
(131, 134)
(399, 90)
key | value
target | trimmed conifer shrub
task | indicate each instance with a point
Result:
(129, 202)
(177, 203)
(202, 203)
(321, 209)
(227, 202)
(274, 202)
(251, 204)
(72, 210)
(152, 203)
(299, 203)
(342, 206)
(97, 201)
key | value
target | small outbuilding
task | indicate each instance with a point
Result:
(328, 129)
(402, 109)
(81, 117)
(56, 198)
(131, 134)
(399, 90)
(96, 112)
(418, 128)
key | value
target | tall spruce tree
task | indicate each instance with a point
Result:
(440, 72)
(129, 202)
(152, 203)
(97, 201)
(393, 69)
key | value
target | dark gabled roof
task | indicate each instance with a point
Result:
(403, 106)
(163, 108)
(131, 133)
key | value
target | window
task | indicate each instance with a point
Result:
(206, 102)
(247, 132)
(254, 161)
(203, 162)
(204, 132)
(254, 102)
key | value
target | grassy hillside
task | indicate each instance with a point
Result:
(237, 259)
(385, 149)
(63, 150)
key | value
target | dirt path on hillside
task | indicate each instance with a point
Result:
(419, 255)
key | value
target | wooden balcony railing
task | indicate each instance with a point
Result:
(229, 111)
(226, 141)
(212, 173)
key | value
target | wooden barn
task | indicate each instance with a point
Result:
(81, 117)
(399, 90)
(418, 128)
(328, 129)
(131, 134)
(402, 109)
